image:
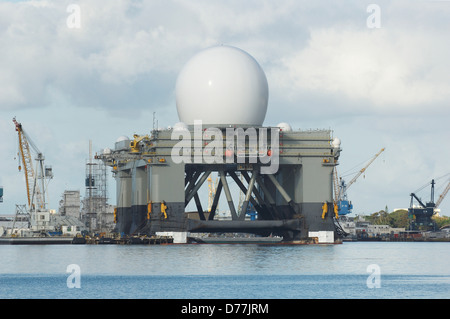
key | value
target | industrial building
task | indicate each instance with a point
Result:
(70, 204)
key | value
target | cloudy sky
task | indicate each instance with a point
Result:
(378, 76)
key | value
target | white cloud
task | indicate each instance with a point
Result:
(120, 47)
(381, 68)
(223, 19)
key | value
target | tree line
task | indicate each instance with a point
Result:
(400, 219)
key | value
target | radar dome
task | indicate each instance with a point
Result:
(336, 143)
(286, 127)
(122, 138)
(222, 85)
(123, 142)
(180, 126)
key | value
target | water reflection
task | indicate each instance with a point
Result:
(348, 258)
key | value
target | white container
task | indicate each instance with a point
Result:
(178, 236)
(323, 237)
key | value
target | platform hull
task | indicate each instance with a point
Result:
(239, 240)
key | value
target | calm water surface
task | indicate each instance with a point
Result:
(406, 270)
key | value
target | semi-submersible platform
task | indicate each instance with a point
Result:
(286, 175)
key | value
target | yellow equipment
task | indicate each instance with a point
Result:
(163, 209)
(336, 210)
(115, 215)
(134, 145)
(324, 210)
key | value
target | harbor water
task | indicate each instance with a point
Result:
(381, 270)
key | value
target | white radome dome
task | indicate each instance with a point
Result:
(222, 85)
(285, 127)
(180, 126)
(122, 138)
(336, 143)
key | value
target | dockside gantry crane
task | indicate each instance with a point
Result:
(340, 187)
(34, 178)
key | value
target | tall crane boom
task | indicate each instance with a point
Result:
(340, 187)
(364, 168)
(35, 191)
(342, 190)
(442, 196)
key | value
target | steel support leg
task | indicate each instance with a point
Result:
(199, 207)
(212, 213)
(228, 195)
(256, 203)
(248, 196)
(283, 193)
(196, 187)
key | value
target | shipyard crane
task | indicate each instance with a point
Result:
(424, 211)
(34, 178)
(442, 196)
(340, 187)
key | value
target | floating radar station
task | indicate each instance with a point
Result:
(285, 175)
